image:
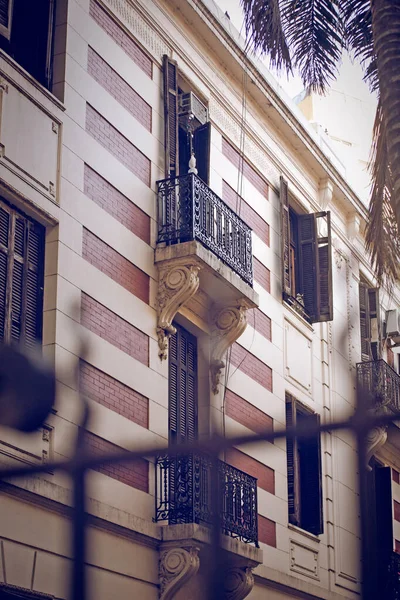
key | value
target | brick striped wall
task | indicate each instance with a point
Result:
(262, 275)
(120, 37)
(248, 214)
(118, 145)
(397, 546)
(116, 204)
(261, 323)
(252, 366)
(248, 171)
(134, 473)
(266, 531)
(395, 476)
(111, 263)
(264, 475)
(109, 326)
(246, 414)
(396, 511)
(113, 394)
(119, 88)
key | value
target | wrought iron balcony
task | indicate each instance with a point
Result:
(189, 210)
(381, 381)
(183, 495)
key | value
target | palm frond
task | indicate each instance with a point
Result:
(382, 236)
(264, 30)
(358, 38)
(314, 32)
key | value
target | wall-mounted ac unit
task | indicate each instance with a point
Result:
(191, 109)
(393, 325)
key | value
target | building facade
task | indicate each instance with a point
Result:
(172, 223)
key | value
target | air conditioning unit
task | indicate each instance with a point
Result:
(393, 325)
(192, 111)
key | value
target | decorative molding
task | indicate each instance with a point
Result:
(325, 193)
(178, 282)
(177, 566)
(228, 324)
(138, 27)
(353, 226)
(375, 438)
(238, 583)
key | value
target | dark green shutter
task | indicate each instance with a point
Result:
(5, 222)
(375, 323)
(201, 148)
(182, 386)
(364, 322)
(311, 479)
(292, 464)
(308, 267)
(5, 18)
(384, 524)
(170, 77)
(285, 239)
(324, 271)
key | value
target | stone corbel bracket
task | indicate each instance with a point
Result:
(238, 583)
(177, 566)
(375, 439)
(178, 282)
(228, 324)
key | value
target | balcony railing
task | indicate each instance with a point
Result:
(390, 580)
(183, 495)
(381, 381)
(189, 210)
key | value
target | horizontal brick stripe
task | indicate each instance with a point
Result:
(260, 322)
(395, 476)
(246, 414)
(113, 264)
(244, 210)
(248, 171)
(265, 475)
(113, 394)
(266, 531)
(252, 366)
(119, 88)
(397, 546)
(119, 146)
(118, 332)
(116, 204)
(262, 275)
(134, 473)
(121, 38)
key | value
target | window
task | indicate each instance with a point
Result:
(370, 327)
(21, 277)
(26, 34)
(306, 261)
(186, 126)
(304, 471)
(182, 386)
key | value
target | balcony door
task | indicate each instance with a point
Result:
(182, 386)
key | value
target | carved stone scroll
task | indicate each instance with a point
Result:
(376, 438)
(238, 583)
(178, 282)
(228, 324)
(177, 566)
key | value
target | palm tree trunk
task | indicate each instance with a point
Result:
(386, 35)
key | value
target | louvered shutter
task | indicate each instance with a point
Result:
(375, 323)
(324, 271)
(311, 480)
(364, 322)
(292, 464)
(201, 147)
(384, 525)
(5, 222)
(34, 284)
(170, 77)
(285, 238)
(308, 267)
(6, 18)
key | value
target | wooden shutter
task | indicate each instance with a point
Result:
(182, 386)
(311, 479)
(6, 7)
(285, 239)
(292, 464)
(384, 522)
(21, 277)
(170, 77)
(201, 148)
(324, 271)
(308, 266)
(375, 323)
(364, 322)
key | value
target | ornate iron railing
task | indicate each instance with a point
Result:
(381, 381)
(184, 495)
(390, 580)
(189, 210)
